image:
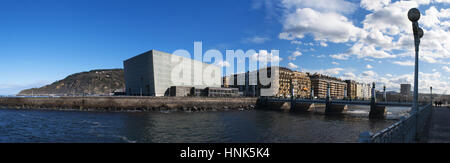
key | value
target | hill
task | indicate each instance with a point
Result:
(95, 82)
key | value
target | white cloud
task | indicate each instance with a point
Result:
(369, 59)
(323, 44)
(256, 40)
(321, 56)
(287, 36)
(428, 59)
(337, 6)
(390, 19)
(292, 66)
(445, 68)
(264, 56)
(431, 17)
(442, 1)
(404, 63)
(364, 51)
(334, 63)
(296, 42)
(385, 33)
(374, 4)
(340, 56)
(349, 75)
(384, 30)
(224, 64)
(294, 55)
(331, 71)
(387, 22)
(324, 27)
(434, 80)
(369, 67)
(369, 73)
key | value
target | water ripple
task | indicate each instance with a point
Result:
(18, 126)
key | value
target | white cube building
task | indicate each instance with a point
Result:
(154, 72)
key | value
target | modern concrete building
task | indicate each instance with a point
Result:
(405, 89)
(183, 91)
(222, 92)
(241, 82)
(154, 72)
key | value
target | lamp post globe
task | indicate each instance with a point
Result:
(414, 15)
(420, 32)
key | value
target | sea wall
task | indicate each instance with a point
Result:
(130, 103)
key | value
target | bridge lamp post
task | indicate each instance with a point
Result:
(414, 16)
(431, 95)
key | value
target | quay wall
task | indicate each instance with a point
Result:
(129, 103)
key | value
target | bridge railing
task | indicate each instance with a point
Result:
(405, 131)
(322, 101)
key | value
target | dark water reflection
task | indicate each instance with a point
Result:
(209, 127)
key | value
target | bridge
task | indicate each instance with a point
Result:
(411, 129)
(336, 102)
(377, 109)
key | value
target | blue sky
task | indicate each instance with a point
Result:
(47, 40)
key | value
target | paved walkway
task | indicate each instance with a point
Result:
(439, 131)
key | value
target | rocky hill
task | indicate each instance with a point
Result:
(95, 82)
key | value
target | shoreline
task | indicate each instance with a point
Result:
(129, 104)
(129, 111)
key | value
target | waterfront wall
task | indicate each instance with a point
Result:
(130, 103)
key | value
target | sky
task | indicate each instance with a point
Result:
(367, 41)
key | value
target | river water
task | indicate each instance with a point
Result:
(256, 126)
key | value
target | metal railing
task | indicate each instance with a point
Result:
(342, 102)
(407, 130)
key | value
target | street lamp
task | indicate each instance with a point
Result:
(414, 16)
(431, 95)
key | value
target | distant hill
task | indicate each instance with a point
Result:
(95, 82)
(391, 92)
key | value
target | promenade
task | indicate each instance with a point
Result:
(439, 131)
